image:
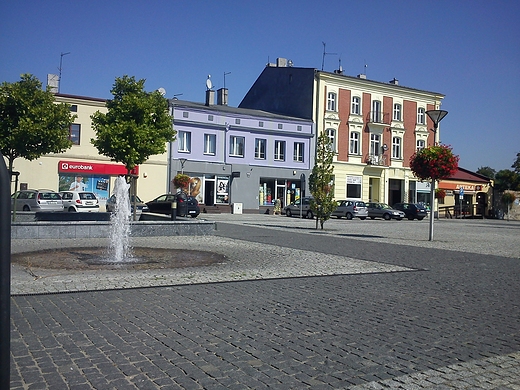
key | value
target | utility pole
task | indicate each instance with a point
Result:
(61, 61)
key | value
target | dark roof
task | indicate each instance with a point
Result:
(466, 175)
(234, 110)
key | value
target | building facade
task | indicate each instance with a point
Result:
(58, 171)
(239, 160)
(373, 127)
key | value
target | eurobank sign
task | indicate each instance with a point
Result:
(89, 168)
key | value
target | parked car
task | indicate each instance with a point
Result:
(141, 206)
(351, 209)
(412, 210)
(186, 205)
(304, 206)
(37, 200)
(382, 210)
(79, 201)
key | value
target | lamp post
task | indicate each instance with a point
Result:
(183, 161)
(436, 116)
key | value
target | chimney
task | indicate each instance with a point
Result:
(222, 96)
(281, 62)
(394, 81)
(210, 97)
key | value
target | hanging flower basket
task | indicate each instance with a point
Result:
(434, 163)
(440, 193)
(508, 198)
(181, 181)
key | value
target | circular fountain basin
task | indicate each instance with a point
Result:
(99, 258)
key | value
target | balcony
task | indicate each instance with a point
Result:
(374, 159)
(378, 117)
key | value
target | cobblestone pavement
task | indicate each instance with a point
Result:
(362, 304)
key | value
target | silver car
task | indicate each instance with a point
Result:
(382, 210)
(295, 208)
(350, 208)
(37, 200)
(79, 201)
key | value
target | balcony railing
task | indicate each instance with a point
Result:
(379, 117)
(374, 159)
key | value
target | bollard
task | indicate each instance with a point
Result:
(5, 275)
(174, 210)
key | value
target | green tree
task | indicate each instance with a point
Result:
(31, 123)
(516, 164)
(321, 181)
(507, 179)
(487, 171)
(136, 126)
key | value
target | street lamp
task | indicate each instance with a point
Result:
(436, 116)
(183, 161)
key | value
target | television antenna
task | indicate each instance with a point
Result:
(324, 54)
(61, 61)
(225, 73)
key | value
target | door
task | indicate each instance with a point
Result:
(209, 192)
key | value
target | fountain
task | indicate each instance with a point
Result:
(120, 249)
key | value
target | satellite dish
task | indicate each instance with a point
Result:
(209, 85)
(162, 91)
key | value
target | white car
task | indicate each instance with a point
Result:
(79, 201)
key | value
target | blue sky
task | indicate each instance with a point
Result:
(466, 50)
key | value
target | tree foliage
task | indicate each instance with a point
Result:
(507, 179)
(321, 181)
(31, 123)
(436, 162)
(487, 171)
(136, 126)
(516, 164)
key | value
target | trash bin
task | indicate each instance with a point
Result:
(237, 208)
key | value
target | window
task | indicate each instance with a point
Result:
(74, 108)
(420, 116)
(236, 146)
(397, 112)
(237, 121)
(377, 115)
(354, 187)
(354, 143)
(331, 101)
(210, 142)
(280, 126)
(375, 140)
(260, 147)
(298, 128)
(185, 114)
(184, 138)
(279, 150)
(74, 133)
(298, 151)
(331, 135)
(421, 144)
(396, 147)
(260, 124)
(210, 117)
(355, 109)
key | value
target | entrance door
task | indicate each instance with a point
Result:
(209, 192)
(373, 189)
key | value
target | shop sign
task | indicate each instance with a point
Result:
(89, 168)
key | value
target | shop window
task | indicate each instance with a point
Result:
(354, 187)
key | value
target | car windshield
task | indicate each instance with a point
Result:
(385, 206)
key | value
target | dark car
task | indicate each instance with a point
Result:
(141, 206)
(186, 205)
(382, 210)
(412, 210)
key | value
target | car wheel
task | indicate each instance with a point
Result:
(72, 210)
(288, 213)
(339, 216)
(372, 217)
(410, 218)
(420, 218)
(349, 216)
(362, 218)
(310, 215)
(26, 208)
(387, 217)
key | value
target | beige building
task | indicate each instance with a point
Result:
(374, 127)
(59, 171)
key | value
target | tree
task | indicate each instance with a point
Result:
(321, 181)
(487, 171)
(31, 123)
(516, 164)
(508, 198)
(136, 126)
(507, 179)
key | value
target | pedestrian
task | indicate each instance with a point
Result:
(277, 207)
